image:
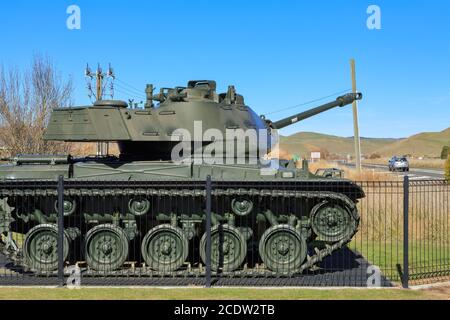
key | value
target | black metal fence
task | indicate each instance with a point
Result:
(210, 233)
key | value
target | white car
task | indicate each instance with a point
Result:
(398, 164)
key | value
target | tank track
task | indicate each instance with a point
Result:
(320, 252)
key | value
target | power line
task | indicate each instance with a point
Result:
(125, 90)
(129, 86)
(308, 102)
(129, 90)
(128, 93)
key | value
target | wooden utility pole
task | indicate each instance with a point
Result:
(355, 119)
(99, 80)
(101, 146)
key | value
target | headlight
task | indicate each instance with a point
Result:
(287, 174)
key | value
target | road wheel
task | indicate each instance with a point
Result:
(41, 247)
(228, 248)
(165, 248)
(106, 247)
(282, 249)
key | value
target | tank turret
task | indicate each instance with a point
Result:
(152, 133)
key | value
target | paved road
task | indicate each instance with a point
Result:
(414, 174)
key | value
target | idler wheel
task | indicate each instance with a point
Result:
(332, 222)
(282, 249)
(41, 247)
(228, 248)
(165, 248)
(106, 247)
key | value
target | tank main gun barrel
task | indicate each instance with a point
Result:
(339, 102)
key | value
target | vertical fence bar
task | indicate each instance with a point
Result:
(405, 280)
(61, 231)
(208, 231)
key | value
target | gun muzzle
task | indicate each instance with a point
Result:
(349, 98)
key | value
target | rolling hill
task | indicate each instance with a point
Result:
(303, 143)
(427, 144)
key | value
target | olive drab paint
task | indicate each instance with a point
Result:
(292, 207)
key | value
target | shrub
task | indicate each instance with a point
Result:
(447, 169)
(445, 152)
(374, 156)
(324, 153)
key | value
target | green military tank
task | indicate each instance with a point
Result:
(145, 209)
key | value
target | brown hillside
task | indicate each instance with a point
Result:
(303, 143)
(426, 144)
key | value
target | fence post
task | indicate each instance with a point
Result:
(61, 231)
(208, 231)
(405, 280)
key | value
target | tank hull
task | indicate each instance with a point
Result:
(137, 204)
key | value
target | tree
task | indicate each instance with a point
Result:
(324, 154)
(447, 169)
(445, 152)
(26, 101)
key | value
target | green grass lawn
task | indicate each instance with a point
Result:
(214, 294)
(424, 256)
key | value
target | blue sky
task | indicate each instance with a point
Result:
(276, 53)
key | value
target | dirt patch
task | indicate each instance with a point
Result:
(438, 291)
